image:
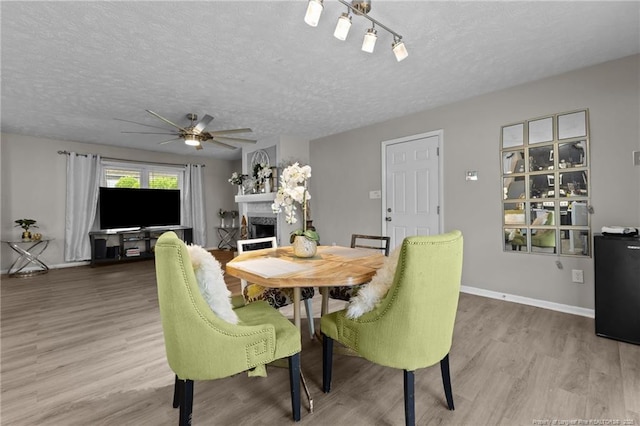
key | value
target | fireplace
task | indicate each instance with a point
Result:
(261, 226)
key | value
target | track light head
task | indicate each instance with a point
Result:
(399, 49)
(369, 42)
(342, 27)
(314, 10)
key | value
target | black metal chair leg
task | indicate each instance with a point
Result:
(294, 381)
(409, 398)
(186, 402)
(446, 381)
(327, 362)
(176, 392)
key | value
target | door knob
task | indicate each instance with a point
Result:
(388, 219)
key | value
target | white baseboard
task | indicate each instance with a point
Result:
(575, 310)
(58, 266)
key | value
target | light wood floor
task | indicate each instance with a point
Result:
(83, 346)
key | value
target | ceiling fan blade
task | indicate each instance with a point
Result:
(168, 141)
(236, 139)
(198, 147)
(223, 144)
(202, 124)
(152, 133)
(226, 132)
(165, 120)
(140, 124)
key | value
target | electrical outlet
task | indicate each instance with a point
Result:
(577, 275)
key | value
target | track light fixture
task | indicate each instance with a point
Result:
(360, 8)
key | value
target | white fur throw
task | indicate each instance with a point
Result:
(210, 279)
(374, 291)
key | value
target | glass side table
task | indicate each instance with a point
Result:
(29, 252)
(228, 237)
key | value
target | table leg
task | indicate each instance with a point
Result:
(296, 306)
(324, 291)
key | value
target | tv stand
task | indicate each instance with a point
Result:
(120, 245)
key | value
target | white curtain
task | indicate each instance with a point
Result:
(83, 180)
(193, 211)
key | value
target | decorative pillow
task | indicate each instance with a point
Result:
(373, 292)
(210, 279)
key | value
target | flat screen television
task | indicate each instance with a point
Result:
(138, 207)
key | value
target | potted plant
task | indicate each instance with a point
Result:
(221, 215)
(262, 173)
(237, 179)
(292, 191)
(25, 224)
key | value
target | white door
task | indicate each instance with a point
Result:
(412, 186)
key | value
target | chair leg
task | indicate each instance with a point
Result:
(327, 362)
(446, 381)
(186, 403)
(176, 392)
(294, 381)
(309, 309)
(409, 398)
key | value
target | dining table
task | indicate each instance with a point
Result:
(330, 266)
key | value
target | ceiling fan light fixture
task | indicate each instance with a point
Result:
(314, 10)
(342, 27)
(399, 49)
(369, 42)
(191, 140)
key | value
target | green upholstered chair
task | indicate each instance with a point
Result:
(201, 346)
(372, 242)
(412, 326)
(545, 237)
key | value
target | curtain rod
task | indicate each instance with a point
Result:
(132, 161)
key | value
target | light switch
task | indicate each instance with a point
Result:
(471, 175)
(375, 194)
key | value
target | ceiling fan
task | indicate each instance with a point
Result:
(194, 133)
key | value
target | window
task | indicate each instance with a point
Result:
(545, 185)
(131, 175)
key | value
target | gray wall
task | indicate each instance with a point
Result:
(347, 166)
(33, 185)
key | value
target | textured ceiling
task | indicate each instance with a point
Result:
(70, 68)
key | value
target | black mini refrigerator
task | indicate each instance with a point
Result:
(617, 287)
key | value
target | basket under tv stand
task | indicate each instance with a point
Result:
(128, 244)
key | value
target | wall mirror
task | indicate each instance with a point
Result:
(546, 185)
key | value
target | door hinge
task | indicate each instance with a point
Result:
(438, 151)
(438, 210)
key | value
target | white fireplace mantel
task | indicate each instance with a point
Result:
(256, 198)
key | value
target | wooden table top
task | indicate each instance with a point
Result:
(331, 266)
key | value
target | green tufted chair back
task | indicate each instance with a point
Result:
(412, 327)
(199, 345)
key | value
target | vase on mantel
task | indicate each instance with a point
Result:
(304, 247)
(240, 190)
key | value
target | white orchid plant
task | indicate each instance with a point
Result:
(236, 178)
(261, 172)
(292, 191)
